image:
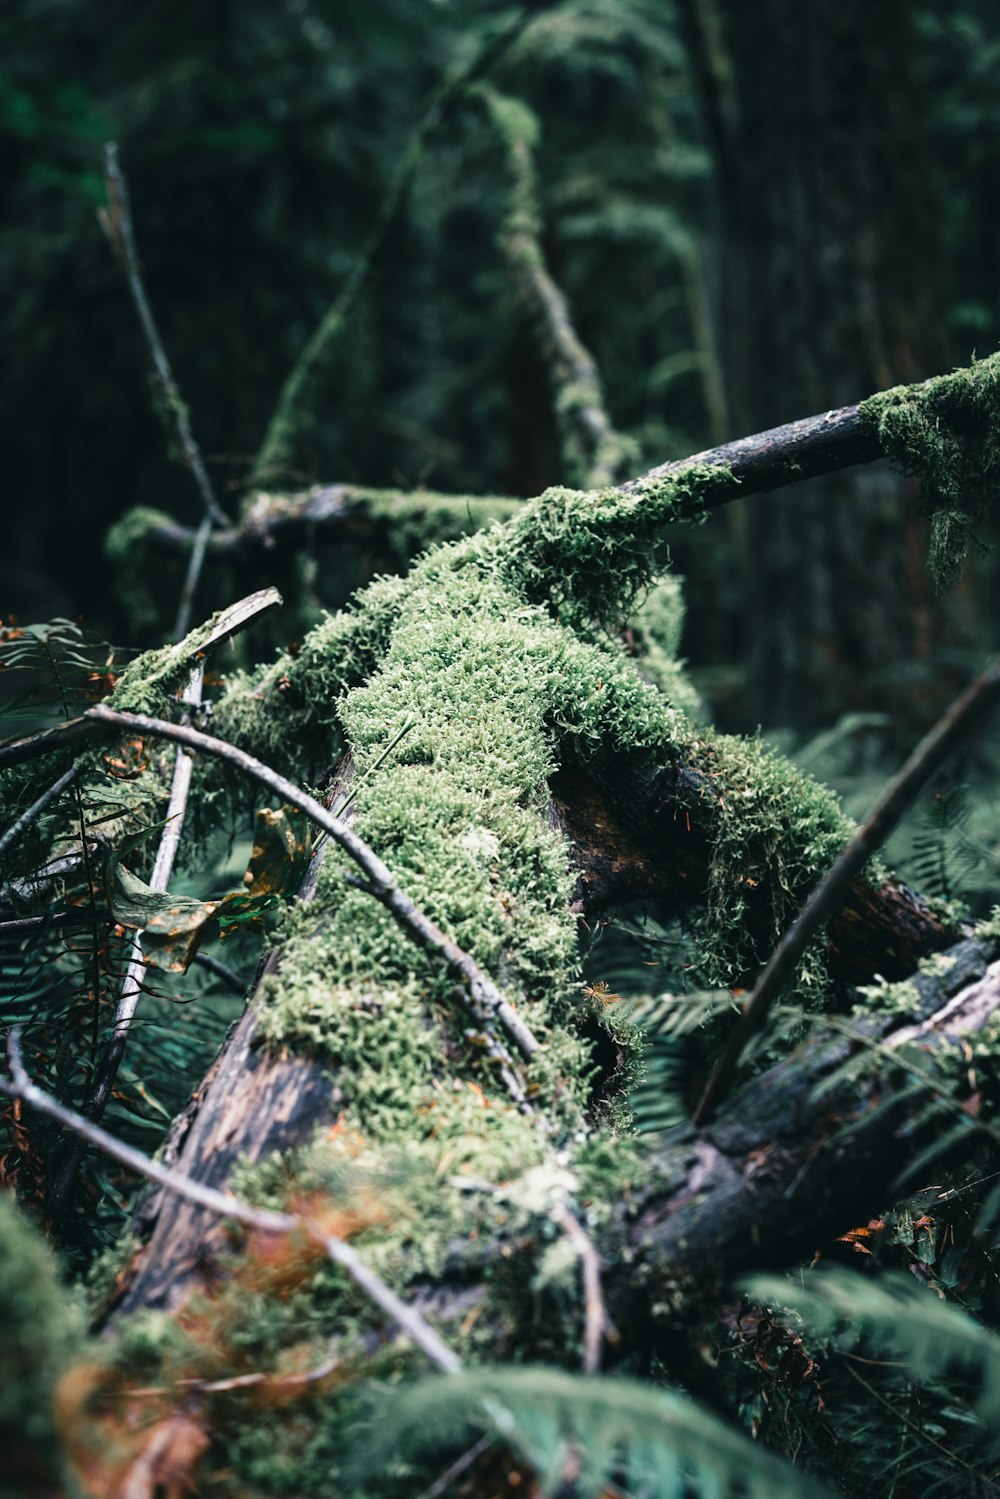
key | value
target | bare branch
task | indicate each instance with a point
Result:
(264, 1220)
(288, 414)
(38, 807)
(60, 1193)
(103, 1079)
(482, 998)
(597, 1323)
(830, 892)
(379, 518)
(118, 223)
(195, 564)
(222, 971)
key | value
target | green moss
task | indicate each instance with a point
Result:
(128, 547)
(594, 453)
(454, 811)
(655, 632)
(774, 833)
(42, 1334)
(413, 520)
(947, 432)
(591, 554)
(287, 713)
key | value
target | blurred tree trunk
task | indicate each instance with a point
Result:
(832, 286)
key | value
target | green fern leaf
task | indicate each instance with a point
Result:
(894, 1315)
(654, 1442)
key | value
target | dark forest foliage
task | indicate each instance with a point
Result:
(746, 216)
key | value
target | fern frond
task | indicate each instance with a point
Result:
(659, 1099)
(653, 1441)
(895, 1316)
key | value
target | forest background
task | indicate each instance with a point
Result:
(755, 215)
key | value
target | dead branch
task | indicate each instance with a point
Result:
(932, 750)
(288, 414)
(816, 1144)
(481, 996)
(376, 518)
(223, 1205)
(37, 807)
(118, 223)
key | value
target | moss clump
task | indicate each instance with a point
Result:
(128, 547)
(591, 554)
(42, 1333)
(454, 812)
(656, 635)
(946, 431)
(408, 522)
(774, 832)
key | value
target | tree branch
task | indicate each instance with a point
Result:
(397, 522)
(593, 451)
(264, 1220)
(37, 807)
(482, 998)
(832, 889)
(287, 419)
(815, 1144)
(117, 221)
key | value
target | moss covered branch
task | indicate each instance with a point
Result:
(396, 525)
(593, 452)
(294, 408)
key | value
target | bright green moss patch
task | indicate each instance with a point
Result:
(413, 520)
(591, 553)
(946, 431)
(454, 812)
(774, 831)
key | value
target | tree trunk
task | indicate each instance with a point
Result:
(833, 286)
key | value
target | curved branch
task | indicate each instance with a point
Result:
(591, 446)
(820, 1141)
(398, 522)
(224, 1205)
(288, 414)
(832, 889)
(482, 997)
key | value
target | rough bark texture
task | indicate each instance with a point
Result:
(782, 1170)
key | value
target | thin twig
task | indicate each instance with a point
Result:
(60, 1191)
(118, 222)
(264, 1220)
(483, 999)
(913, 1426)
(50, 919)
(38, 807)
(286, 420)
(240, 1382)
(221, 971)
(597, 1324)
(333, 510)
(196, 562)
(220, 628)
(442, 1484)
(830, 892)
